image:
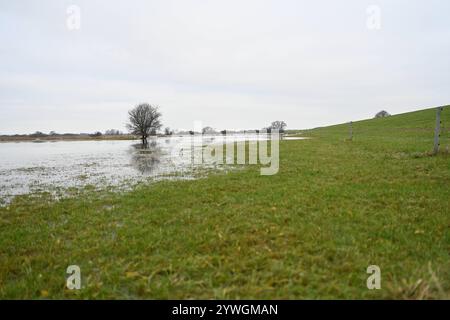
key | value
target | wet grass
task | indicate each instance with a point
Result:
(334, 208)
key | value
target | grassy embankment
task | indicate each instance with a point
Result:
(310, 231)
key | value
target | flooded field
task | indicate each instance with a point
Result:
(28, 167)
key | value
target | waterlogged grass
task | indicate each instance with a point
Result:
(311, 231)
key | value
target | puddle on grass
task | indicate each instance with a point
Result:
(27, 167)
(294, 138)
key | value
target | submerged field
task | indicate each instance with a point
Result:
(311, 231)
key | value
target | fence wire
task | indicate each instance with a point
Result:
(445, 129)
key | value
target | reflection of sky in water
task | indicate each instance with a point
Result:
(26, 166)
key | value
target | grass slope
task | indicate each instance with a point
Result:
(334, 208)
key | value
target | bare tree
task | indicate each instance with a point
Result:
(208, 130)
(167, 131)
(144, 120)
(278, 125)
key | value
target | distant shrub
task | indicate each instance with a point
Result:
(38, 134)
(96, 134)
(208, 130)
(382, 114)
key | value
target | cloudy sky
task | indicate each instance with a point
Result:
(230, 64)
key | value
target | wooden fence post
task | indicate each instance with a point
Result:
(350, 131)
(437, 130)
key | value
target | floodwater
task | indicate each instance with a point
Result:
(27, 167)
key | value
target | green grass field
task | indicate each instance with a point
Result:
(334, 208)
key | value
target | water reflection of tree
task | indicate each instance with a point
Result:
(145, 157)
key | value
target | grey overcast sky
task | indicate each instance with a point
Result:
(230, 64)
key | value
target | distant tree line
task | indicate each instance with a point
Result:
(276, 125)
(110, 132)
(113, 132)
(144, 120)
